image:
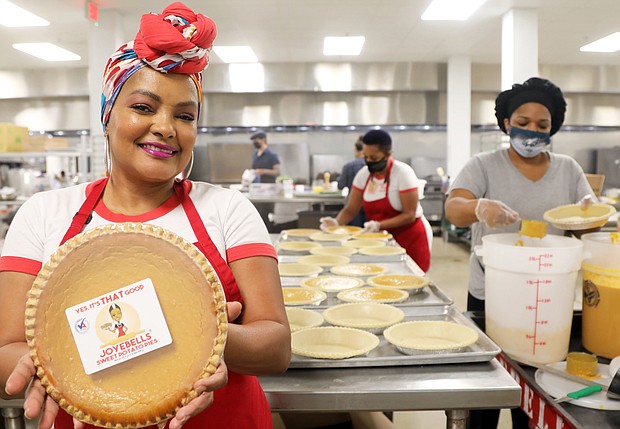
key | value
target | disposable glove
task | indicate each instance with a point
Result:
(586, 202)
(372, 226)
(326, 222)
(495, 213)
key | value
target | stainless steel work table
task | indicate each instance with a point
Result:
(455, 388)
(12, 413)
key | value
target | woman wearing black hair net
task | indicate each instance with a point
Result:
(494, 190)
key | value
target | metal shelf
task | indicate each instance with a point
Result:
(22, 155)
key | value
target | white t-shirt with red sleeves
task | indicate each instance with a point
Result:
(232, 222)
(402, 179)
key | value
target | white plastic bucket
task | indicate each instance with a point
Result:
(530, 291)
(600, 331)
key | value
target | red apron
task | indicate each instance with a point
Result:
(412, 237)
(241, 404)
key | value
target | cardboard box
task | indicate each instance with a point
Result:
(43, 143)
(12, 137)
(57, 143)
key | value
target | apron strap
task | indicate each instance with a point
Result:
(83, 216)
(220, 266)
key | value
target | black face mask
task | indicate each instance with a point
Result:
(377, 166)
(257, 145)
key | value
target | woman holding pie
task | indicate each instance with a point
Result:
(387, 189)
(152, 94)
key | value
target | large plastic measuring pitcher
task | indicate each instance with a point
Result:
(530, 293)
(600, 331)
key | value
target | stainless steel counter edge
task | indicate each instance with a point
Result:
(297, 200)
(407, 388)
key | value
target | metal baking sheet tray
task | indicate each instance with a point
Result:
(385, 354)
(355, 258)
(429, 295)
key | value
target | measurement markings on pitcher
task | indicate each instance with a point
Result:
(544, 260)
(535, 307)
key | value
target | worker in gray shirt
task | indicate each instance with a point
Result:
(494, 190)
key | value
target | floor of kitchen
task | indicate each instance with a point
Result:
(450, 272)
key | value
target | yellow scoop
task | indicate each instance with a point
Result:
(533, 228)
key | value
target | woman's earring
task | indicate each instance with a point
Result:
(107, 157)
(188, 170)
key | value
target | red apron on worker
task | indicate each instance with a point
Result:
(412, 237)
(241, 404)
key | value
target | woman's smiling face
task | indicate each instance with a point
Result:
(153, 125)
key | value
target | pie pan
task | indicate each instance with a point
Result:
(324, 260)
(344, 229)
(358, 269)
(334, 250)
(426, 335)
(358, 244)
(298, 270)
(373, 236)
(326, 236)
(331, 283)
(332, 342)
(298, 246)
(113, 267)
(370, 316)
(573, 217)
(301, 318)
(301, 296)
(300, 232)
(409, 282)
(373, 294)
(382, 251)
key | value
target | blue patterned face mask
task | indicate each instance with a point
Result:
(528, 143)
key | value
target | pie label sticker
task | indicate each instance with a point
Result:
(117, 326)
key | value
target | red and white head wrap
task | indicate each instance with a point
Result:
(175, 41)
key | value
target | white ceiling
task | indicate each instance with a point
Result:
(293, 30)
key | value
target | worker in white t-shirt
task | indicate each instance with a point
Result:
(387, 189)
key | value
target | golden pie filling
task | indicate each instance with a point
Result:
(151, 387)
(331, 283)
(400, 281)
(373, 236)
(299, 296)
(344, 229)
(375, 294)
(358, 269)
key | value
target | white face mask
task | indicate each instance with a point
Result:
(528, 143)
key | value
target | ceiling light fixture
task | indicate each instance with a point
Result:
(236, 54)
(47, 51)
(609, 43)
(349, 45)
(14, 16)
(451, 10)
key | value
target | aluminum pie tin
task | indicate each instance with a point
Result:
(369, 316)
(302, 318)
(430, 336)
(333, 342)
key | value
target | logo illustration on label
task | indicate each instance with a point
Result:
(591, 295)
(126, 323)
(117, 326)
